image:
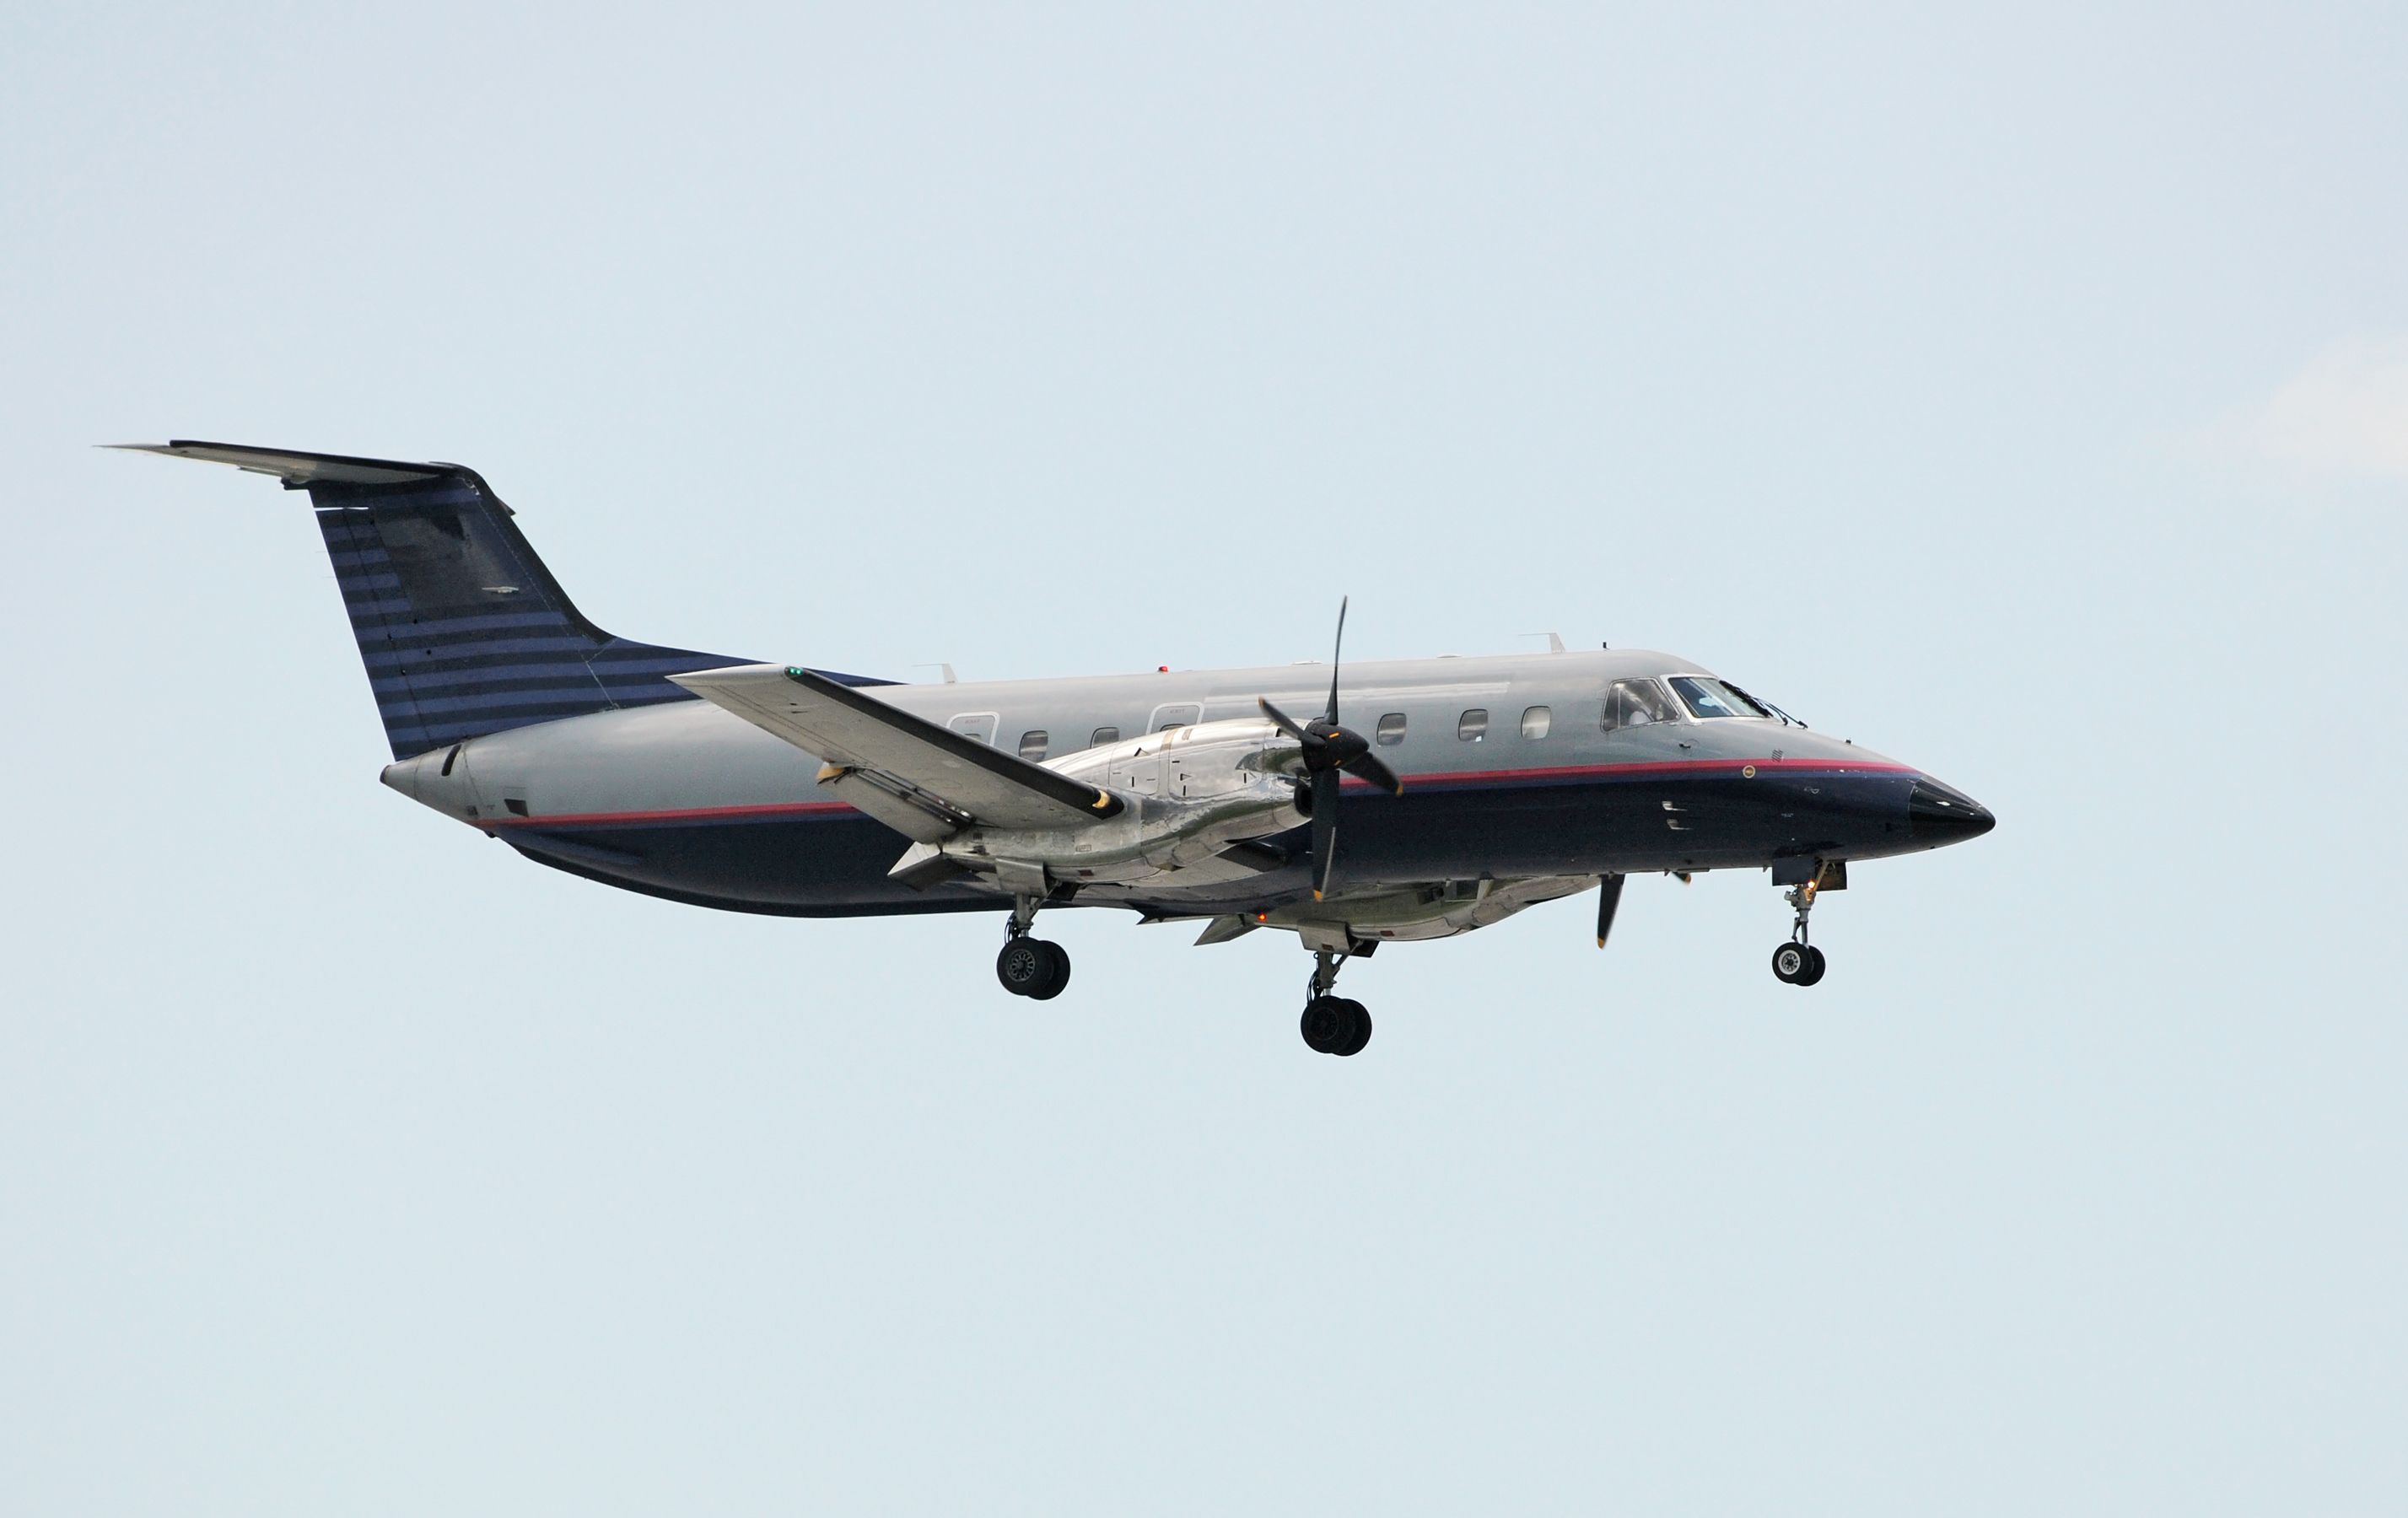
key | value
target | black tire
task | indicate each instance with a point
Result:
(1358, 1031)
(1791, 961)
(1060, 976)
(1814, 967)
(1322, 1024)
(1023, 966)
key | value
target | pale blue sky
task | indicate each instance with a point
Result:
(2021, 392)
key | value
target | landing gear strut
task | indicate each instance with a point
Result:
(1030, 967)
(1333, 1024)
(1797, 961)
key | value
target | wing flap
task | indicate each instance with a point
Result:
(854, 730)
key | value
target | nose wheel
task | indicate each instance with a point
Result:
(1333, 1024)
(1797, 961)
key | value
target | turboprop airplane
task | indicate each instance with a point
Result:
(1463, 789)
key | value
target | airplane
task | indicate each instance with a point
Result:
(1464, 789)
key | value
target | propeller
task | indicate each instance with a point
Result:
(1331, 751)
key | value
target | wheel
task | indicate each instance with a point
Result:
(1813, 971)
(1358, 1032)
(1324, 1021)
(1026, 966)
(1790, 962)
(1059, 964)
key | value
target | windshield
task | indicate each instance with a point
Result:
(1709, 698)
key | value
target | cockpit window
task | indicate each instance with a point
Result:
(1636, 703)
(1713, 698)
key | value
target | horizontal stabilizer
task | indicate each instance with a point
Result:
(297, 469)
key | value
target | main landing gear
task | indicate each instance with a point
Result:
(1333, 1024)
(1029, 967)
(1797, 961)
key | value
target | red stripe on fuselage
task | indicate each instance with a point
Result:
(1466, 776)
(1660, 767)
(681, 814)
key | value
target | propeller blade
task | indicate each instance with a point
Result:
(1368, 766)
(1325, 831)
(1335, 650)
(1286, 724)
(1609, 899)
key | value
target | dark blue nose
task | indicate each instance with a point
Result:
(1937, 814)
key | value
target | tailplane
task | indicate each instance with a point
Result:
(462, 628)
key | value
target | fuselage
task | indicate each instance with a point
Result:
(1513, 767)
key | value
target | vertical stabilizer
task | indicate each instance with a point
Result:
(462, 628)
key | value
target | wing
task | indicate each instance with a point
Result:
(955, 778)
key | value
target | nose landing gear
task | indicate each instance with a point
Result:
(1333, 1024)
(1030, 967)
(1797, 961)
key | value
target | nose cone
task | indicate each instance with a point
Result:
(1937, 814)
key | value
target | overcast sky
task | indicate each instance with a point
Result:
(2021, 391)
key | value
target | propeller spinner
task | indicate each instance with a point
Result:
(1332, 750)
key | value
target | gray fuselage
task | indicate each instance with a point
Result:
(1509, 772)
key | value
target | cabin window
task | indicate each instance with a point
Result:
(1710, 697)
(1187, 714)
(1472, 726)
(1102, 735)
(1391, 730)
(979, 726)
(1032, 743)
(1536, 720)
(1636, 703)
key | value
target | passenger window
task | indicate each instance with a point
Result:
(1636, 703)
(1103, 736)
(1391, 730)
(1472, 726)
(1536, 720)
(1032, 743)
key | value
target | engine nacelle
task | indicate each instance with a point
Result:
(1192, 794)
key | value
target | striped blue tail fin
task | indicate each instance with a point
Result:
(463, 629)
